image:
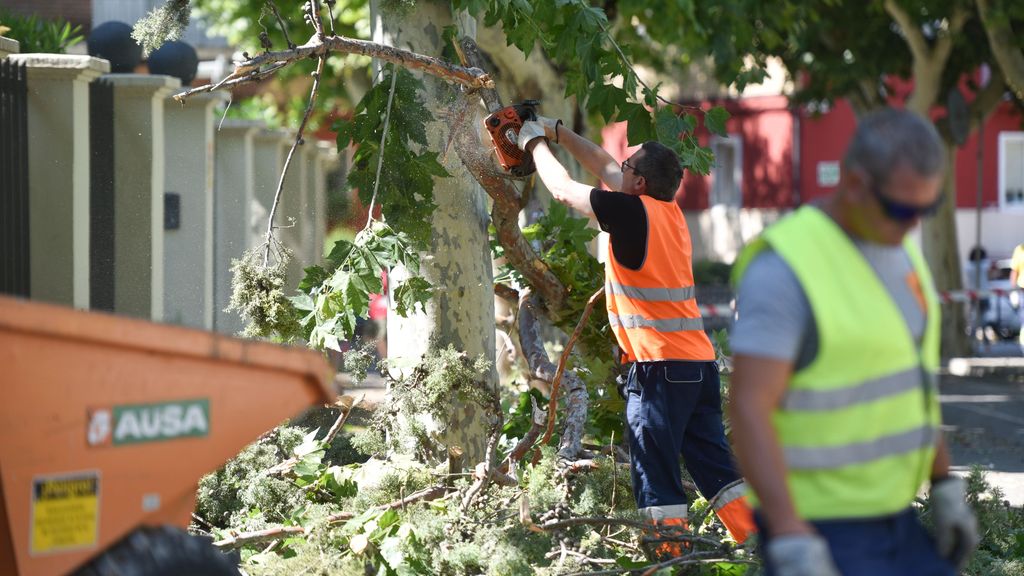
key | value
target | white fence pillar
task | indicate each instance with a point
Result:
(58, 152)
(292, 217)
(139, 192)
(188, 240)
(326, 162)
(233, 196)
(8, 47)
(269, 150)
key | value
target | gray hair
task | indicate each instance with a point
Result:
(890, 138)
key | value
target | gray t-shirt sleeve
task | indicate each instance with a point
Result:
(773, 315)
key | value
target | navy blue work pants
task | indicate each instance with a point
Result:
(674, 408)
(895, 545)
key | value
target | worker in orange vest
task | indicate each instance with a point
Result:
(673, 395)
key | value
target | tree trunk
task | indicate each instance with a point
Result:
(939, 243)
(458, 264)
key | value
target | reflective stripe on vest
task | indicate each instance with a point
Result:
(652, 311)
(866, 391)
(858, 425)
(651, 294)
(667, 325)
(799, 458)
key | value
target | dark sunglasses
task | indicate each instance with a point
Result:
(902, 212)
(626, 164)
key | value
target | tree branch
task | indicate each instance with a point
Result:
(537, 420)
(1003, 43)
(541, 367)
(298, 142)
(469, 77)
(911, 31)
(944, 45)
(557, 380)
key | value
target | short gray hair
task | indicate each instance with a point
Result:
(890, 138)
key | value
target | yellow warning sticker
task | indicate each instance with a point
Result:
(65, 512)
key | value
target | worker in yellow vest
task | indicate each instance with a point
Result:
(673, 396)
(834, 407)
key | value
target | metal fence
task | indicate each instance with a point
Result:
(14, 221)
(101, 195)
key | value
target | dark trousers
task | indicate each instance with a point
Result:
(672, 409)
(895, 545)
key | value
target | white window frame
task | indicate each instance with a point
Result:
(734, 141)
(1006, 137)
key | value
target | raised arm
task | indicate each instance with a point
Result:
(573, 194)
(592, 157)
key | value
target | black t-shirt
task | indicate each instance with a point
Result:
(624, 218)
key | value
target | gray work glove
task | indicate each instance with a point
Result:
(801, 555)
(530, 131)
(550, 127)
(956, 530)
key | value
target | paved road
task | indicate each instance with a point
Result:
(984, 423)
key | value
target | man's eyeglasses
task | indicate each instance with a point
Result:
(902, 212)
(626, 164)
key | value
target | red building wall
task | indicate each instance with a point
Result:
(771, 179)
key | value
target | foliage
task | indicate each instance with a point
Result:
(423, 405)
(36, 35)
(335, 294)
(598, 70)
(1001, 526)
(405, 182)
(258, 294)
(162, 24)
(435, 537)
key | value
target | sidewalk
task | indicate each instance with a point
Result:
(983, 418)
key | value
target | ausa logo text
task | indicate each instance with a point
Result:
(134, 423)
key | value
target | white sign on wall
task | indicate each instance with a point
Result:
(828, 173)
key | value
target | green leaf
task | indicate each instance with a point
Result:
(413, 292)
(641, 127)
(669, 125)
(715, 119)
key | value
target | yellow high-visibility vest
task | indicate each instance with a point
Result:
(859, 425)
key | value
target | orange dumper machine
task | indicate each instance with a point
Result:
(107, 424)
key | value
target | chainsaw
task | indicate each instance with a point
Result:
(503, 126)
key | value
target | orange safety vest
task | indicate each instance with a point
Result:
(653, 310)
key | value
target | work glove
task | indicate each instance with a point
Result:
(550, 127)
(530, 131)
(956, 530)
(800, 555)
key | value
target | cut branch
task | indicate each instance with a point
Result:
(557, 380)
(536, 425)
(469, 77)
(541, 367)
(275, 533)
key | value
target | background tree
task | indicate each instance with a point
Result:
(923, 54)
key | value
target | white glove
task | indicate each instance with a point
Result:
(550, 127)
(531, 130)
(956, 530)
(801, 555)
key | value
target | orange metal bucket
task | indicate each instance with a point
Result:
(107, 423)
